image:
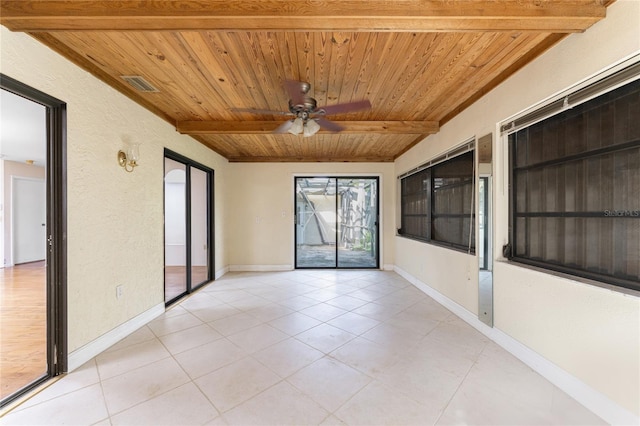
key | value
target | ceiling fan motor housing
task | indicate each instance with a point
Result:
(303, 110)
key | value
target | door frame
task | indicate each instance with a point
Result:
(210, 219)
(56, 205)
(378, 243)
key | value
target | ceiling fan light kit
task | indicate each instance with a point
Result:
(311, 127)
(297, 126)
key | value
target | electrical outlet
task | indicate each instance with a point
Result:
(118, 292)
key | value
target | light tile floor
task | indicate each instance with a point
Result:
(304, 347)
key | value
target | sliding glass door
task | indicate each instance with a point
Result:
(33, 277)
(336, 222)
(187, 226)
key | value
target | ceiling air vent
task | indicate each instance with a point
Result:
(139, 83)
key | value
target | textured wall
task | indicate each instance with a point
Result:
(115, 228)
(592, 333)
(458, 280)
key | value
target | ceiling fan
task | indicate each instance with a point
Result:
(308, 117)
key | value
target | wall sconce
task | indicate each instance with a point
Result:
(129, 160)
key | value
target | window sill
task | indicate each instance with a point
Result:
(572, 278)
(438, 244)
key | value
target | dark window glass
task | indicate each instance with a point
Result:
(576, 190)
(437, 203)
(452, 202)
(415, 218)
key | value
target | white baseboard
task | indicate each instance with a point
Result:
(220, 273)
(260, 268)
(388, 267)
(81, 355)
(593, 400)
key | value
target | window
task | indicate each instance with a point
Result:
(437, 203)
(575, 190)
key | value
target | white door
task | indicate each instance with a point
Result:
(29, 220)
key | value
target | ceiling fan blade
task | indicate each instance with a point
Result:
(261, 111)
(329, 125)
(296, 91)
(284, 127)
(343, 108)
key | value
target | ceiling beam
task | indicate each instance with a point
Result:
(321, 159)
(267, 127)
(284, 15)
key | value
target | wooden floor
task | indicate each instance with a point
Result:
(23, 340)
(175, 279)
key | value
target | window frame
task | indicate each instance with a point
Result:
(467, 148)
(616, 78)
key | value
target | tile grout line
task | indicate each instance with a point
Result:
(475, 362)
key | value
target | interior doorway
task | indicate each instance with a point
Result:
(337, 222)
(29, 233)
(188, 226)
(33, 229)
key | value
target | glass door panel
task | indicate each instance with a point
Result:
(24, 287)
(357, 222)
(199, 228)
(175, 230)
(316, 222)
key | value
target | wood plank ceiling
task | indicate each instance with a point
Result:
(418, 62)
